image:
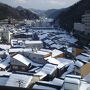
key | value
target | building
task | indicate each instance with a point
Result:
(21, 80)
(79, 27)
(5, 36)
(57, 54)
(37, 56)
(84, 26)
(34, 44)
(74, 82)
(20, 63)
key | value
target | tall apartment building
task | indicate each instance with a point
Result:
(84, 26)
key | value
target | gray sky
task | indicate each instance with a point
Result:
(40, 4)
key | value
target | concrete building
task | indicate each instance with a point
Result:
(84, 26)
(5, 36)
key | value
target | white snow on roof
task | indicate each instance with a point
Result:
(84, 86)
(14, 80)
(4, 46)
(69, 49)
(86, 54)
(5, 63)
(57, 81)
(5, 73)
(42, 87)
(79, 63)
(22, 59)
(72, 79)
(56, 53)
(20, 50)
(3, 80)
(83, 58)
(41, 74)
(33, 42)
(56, 46)
(46, 50)
(49, 69)
(42, 52)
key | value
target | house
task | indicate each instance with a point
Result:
(38, 56)
(56, 84)
(57, 54)
(5, 35)
(34, 44)
(62, 64)
(4, 76)
(50, 70)
(5, 63)
(84, 57)
(19, 80)
(72, 82)
(78, 66)
(20, 63)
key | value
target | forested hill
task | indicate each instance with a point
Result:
(7, 11)
(73, 14)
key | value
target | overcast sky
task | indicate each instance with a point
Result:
(40, 4)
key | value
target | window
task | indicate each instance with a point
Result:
(15, 67)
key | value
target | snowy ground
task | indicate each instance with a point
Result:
(55, 38)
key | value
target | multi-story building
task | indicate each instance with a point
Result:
(84, 26)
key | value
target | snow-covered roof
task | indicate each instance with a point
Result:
(42, 52)
(22, 59)
(33, 42)
(79, 63)
(41, 74)
(20, 50)
(57, 81)
(83, 58)
(5, 73)
(46, 50)
(15, 79)
(40, 87)
(5, 46)
(84, 86)
(69, 49)
(86, 54)
(56, 46)
(71, 79)
(5, 62)
(49, 69)
(3, 80)
(56, 52)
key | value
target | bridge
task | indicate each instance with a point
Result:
(43, 28)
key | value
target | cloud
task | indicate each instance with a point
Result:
(40, 4)
(57, 2)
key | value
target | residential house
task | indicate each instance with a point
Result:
(20, 63)
(38, 56)
(19, 80)
(74, 82)
(34, 44)
(57, 54)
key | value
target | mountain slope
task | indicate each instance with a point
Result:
(7, 11)
(53, 13)
(73, 14)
